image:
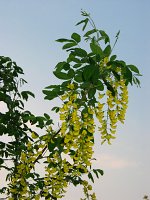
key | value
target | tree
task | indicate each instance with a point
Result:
(94, 84)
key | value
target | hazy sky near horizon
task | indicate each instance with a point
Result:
(28, 33)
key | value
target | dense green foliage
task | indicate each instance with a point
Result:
(94, 85)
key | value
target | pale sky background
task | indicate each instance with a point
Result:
(28, 30)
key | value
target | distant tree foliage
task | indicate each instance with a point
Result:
(146, 197)
(94, 85)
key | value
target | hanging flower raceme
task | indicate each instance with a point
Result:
(77, 129)
(112, 109)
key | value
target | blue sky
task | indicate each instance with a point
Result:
(28, 33)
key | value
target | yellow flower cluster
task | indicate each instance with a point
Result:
(54, 181)
(112, 110)
(77, 130)
(123, 101)
(87, 188)
(19, 185)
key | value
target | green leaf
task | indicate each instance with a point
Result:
(107, 51)
(25, 94)
(136, 81)
(79, 52)
(3, 96)
(78, 77)
(60, 66)
(71, 152)
(109, 87)
(46, 116)
(56, 109)
(90, 73)
(117, 76)
(128, 75)
(120, 63)
(87, 72)
(85, 21)
(4, 59)
(91, 93)
(40, 184)
(101, 172)
(85, 60)
(2, 145)
(69, 45)
(51, 146)
(66, 66)
(61, 75)
(84, 111)
(84, 13)
(71, 73)
(31, 94)
(82, 21)
(95, 75)
(113, 58)
(100, 86)
(56, 143)
(98, 58)
(96, 49)
(96, 173)
(85, 85)
(76, 37)
(92, 102)
(40, 121)
(133, 68)
(105, 36)
(29, 175)
(49, 122)
(50, 94)
(51, 86)
(77, 65)
(91, 61)
(65, 84)
(90, 32)
(1, 161)
(9, 64)
(64, 40)
(72, 58)
(90, 177)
